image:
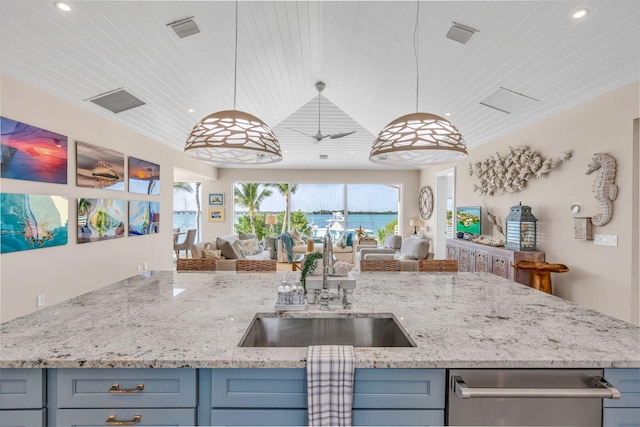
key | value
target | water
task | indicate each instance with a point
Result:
(371, 222)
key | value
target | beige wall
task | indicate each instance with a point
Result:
(600, 277)
(226, 178)
(65, 271)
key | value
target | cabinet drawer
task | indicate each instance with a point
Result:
(22, 388)
(262, 417)
(148, 417)
(395, 417)
(23, 418)
(399, 388)
(621, 417)
(627, 380)
(90, 388)
(259, 388)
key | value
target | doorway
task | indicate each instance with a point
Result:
(443, 212)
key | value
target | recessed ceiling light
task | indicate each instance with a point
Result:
(448, 113)
(63, 6)
(191, 110)
(580, 13)
(351, 152)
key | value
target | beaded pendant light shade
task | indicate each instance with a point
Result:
(232, 136)
(418, 139)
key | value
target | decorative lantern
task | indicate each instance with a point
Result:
(521, 231)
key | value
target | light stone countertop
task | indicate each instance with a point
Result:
(462, 320)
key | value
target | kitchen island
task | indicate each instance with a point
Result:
(196, 320)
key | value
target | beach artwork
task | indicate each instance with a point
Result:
(101, 219)
(144, 177)
(144, 218)
(32, 221)
(99, 167)
(31, 153)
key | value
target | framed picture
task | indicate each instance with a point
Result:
(99, 167)
(144, 217)
(216, 214)
(144, 177)
(216, 199)
(101, 219)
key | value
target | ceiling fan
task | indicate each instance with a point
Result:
(319, 136)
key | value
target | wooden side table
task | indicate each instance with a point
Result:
(541, 273)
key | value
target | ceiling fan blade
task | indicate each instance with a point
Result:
(340, 135)
(300, 132)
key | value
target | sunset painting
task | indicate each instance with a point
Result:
(31, 153)
(32, 221)
(100, 219)
(144, 218)
(99, 167)
(144, 177)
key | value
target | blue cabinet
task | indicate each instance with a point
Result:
(626, 410)
(279, 397)
(22, 397)
(84, 397)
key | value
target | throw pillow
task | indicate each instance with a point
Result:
(392, 241)
(342, 268)
(342, 242)
(349, 235)
(297, 237)
(414, 247)
(400, 256)
(247, 236)
(226, 249)
(208, 252)
(238, 249)
(250, 246)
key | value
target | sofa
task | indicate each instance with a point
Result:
(408, 250)
(227, 249)
(342, 249)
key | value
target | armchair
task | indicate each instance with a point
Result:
(408, 252)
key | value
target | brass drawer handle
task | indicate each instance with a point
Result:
(115, 388)
(113, 421)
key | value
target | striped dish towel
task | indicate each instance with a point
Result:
(330, 373)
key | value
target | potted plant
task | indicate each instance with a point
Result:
(308, 266)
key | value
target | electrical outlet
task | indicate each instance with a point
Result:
(605, 240)
(146, 266)
(139, 268)
(41, 300)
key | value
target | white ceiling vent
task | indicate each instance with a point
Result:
(185, 27)
(460, 33)
(117, 101)
(324, 156)
(507, 101)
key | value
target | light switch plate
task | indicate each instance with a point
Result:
(605, 240)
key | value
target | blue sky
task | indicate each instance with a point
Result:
(313, 197)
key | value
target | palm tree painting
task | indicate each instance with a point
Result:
(286, 190)
(250, 195)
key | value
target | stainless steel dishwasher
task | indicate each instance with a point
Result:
(527, 397)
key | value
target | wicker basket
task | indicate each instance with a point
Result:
(256, 265)
(196, 264)
(438, 265)
(380, 265)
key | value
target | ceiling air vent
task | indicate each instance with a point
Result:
(460, 33)
(507, 101)
(117, 101)
(324, 156)
(184, 27)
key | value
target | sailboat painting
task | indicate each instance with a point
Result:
(31, 153)
(101, 219)
(99, 167)
(144, 217)
(32, 221)
(144, 177)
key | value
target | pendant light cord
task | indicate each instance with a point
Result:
(415, 52)
(235, 60)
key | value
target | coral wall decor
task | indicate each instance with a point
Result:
(603, 185)
(499, 175)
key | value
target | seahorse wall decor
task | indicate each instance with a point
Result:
(603, 185)
(499, 175)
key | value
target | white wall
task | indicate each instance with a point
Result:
(63, 272)
(600, 277)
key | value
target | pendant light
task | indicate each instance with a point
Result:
(418, 139)
(232, 136)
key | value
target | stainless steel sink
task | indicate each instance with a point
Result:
(382, 331)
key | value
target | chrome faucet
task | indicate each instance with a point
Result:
(327, 269)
